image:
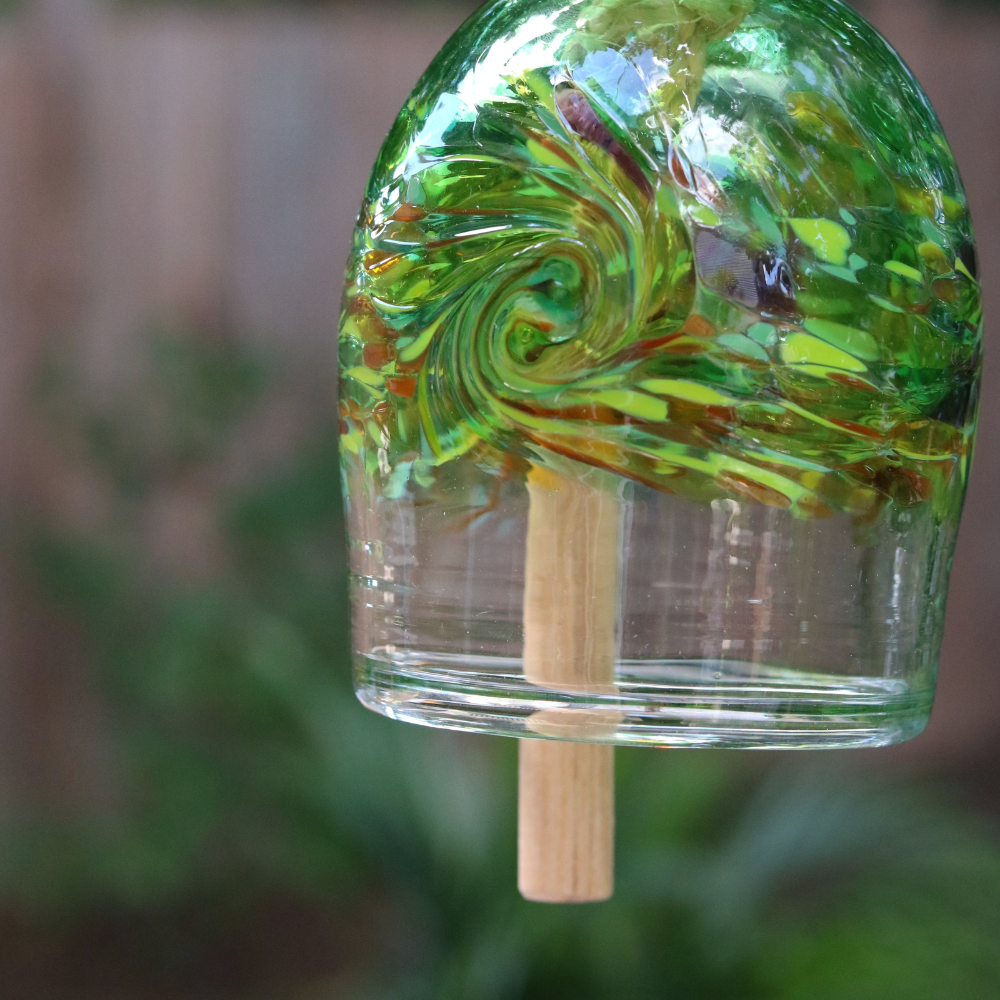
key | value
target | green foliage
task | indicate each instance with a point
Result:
(246, 768)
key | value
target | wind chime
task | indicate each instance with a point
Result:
(659, 360)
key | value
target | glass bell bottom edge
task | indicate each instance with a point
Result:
(667, 703)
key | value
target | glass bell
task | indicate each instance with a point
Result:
(659, 372)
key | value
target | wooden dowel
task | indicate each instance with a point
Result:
(566, 789)
(571, 584)
(566, 821)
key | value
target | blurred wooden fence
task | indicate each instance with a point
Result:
(206, 170)
(189, 170)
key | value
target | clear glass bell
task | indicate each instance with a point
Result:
(659, 371)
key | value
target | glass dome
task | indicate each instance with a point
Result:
(659, 359)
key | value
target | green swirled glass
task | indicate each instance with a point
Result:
(717, 249)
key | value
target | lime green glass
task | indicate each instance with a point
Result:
(713, 260)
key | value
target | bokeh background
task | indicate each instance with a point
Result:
(192, 804)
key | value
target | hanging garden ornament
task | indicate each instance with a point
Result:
(659, 359)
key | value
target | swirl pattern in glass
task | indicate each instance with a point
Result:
(709, 254)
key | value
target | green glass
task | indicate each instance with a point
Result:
(714, 259)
